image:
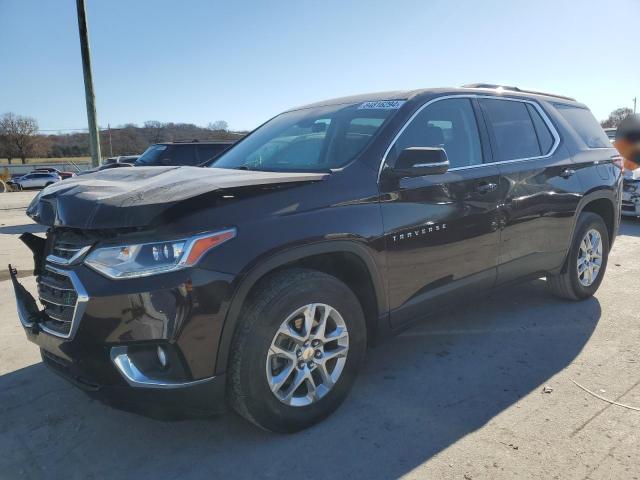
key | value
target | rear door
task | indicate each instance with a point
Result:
(441, 230)
(540, 191)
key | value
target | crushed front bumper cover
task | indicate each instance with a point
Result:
(109, 372)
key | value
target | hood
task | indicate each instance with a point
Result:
(133, 197)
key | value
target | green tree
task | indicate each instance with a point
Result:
(616, 117)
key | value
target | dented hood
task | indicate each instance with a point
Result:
(133, 197)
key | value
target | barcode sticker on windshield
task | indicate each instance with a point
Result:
(382, 105)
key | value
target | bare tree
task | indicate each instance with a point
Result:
(156, 129)
(19, 134)
(218, 126)
(7, 149)
(616, 117)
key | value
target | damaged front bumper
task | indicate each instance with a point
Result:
(111, 348)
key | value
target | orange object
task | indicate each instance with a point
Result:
(203, 245)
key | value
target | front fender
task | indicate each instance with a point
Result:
(262, 268)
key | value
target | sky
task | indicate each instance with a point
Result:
(198, 61)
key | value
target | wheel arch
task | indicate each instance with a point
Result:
(601, 202)
(349, 261)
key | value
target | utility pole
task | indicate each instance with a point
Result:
(110, 144)
(94, 139)
(635, 99)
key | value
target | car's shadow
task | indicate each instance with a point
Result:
(418, 394)
(20, 229)
(630, 226)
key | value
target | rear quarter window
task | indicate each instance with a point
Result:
(585, 124)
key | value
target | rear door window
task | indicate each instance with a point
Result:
(512, 128)
(585, 124)
(181, 155)
(209, 151)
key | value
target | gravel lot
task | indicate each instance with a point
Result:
(460, 396)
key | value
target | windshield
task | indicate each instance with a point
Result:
(311, 139)
(151, 156)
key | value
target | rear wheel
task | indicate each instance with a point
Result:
(586, 261)
(297, 350)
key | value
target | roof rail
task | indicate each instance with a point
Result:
(515, 89)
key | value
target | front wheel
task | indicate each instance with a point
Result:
(586, 261)
(297, 350)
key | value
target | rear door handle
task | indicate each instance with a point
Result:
(567, 172)
(485, 187)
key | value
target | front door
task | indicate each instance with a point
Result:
(441, 231)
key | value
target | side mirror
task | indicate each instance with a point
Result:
(419, 161)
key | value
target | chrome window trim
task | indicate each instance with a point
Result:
(434, 164)
(536, 105)
(135, 378)
(78, 310)
(68, 261)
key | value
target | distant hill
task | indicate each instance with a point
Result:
(130, 139)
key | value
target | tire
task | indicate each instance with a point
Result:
(568, 283)
(274, 301)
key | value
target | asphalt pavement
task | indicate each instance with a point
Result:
(494, 388)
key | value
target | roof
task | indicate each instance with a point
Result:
(409, 94)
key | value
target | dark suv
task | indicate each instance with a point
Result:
(264, 279)
(190, 153)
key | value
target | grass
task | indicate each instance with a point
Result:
(17, 161)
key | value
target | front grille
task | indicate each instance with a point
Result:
(59, 297)
(58, 287)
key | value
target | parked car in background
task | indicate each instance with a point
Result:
(62, 175)
(106, 166)
(192, 153)
(131, 159)
(36, 180)
(260, 281)
(631, 193)
(611, 134)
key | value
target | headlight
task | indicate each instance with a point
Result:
(144, 259)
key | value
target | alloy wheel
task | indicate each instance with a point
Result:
(589, 258)
(307, 355)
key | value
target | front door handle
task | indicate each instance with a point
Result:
(567, 172)
(486, 187)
